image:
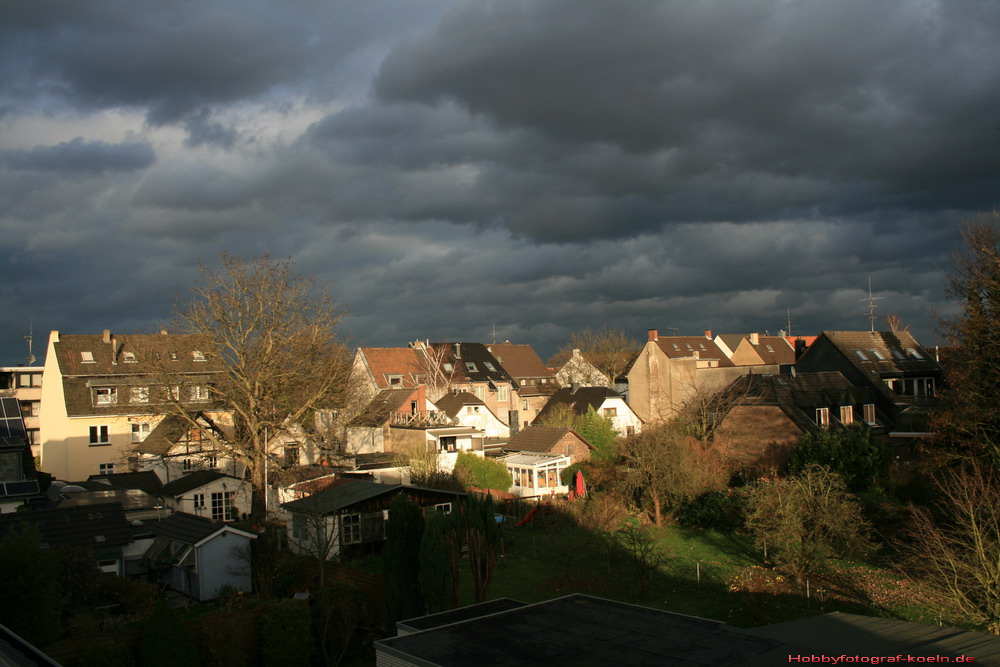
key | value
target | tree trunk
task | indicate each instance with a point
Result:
(656, 509)
(258, 490)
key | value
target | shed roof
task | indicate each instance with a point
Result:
(191, 529)
(95, 526)
(192, 481)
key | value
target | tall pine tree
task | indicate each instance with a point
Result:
(403, 532)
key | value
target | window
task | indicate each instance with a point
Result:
(471, 367)
(212, 461)
(480, 392)
(29, 380)
(448, 443)
(87, 357)
(187, 465)
(30, 408)
(860, 355)
(198, 355)
(846, 415)
(878, 355)
(292, 454)
(630, 430)
(197, 392)
(106, 468)
(524, 404)
(32, 434)
(105, 395)
(503, 394)
(448, 367)
(489, 366)
(222, 506)
(896, 354)
(129, 357)
(769, 348)
(199, 501)
(98, 435)
(172, 393)
(350, 527)
(444, 508)
(610, 412)
(173, 356)
(870, 414)
(139, 432)
(395, 380)
(823, 417)
(139, 394)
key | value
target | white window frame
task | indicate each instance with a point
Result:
(198, 355)
(87, 358)
(99, 435)
(503, 393)
(823, 417)
(106, 468)
(869, 410)
(350, 528)
(140, 431)
(222, 506)
(470, 366)
(197, 393)
(198, 501)
(846, 414)
(105, 395)
(129, 357)
(444, 508)
(138, 394)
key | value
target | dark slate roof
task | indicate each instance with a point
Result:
(129, 499)
(520, 361)
(900, 351)
(146, 481)
(540, 438)
(171, 429)
(579, 400)
(580, 629)
(461, 614)
(799, 395)
(347, 492)
(186, 528)
(11, 421)
(452, 403)
(97, 526)
(190, 482)
(475, 353)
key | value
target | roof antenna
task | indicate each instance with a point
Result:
(788, 318)
(31, 326)
(871, 303)
(494, 333)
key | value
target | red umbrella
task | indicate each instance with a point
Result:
(581, 486)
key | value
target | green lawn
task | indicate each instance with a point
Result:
(553, 556)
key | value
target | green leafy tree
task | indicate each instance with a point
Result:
(852, 453)
(30, 603)
(483, 539)
(592, 426)
(440, 552)
(480, 472)
(805, 519)
(403, 532)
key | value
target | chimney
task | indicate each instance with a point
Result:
(114, 351)
(163, 332)
(708, 334)
(573, 387)
(755, 339)
(458, 350)
(652, 334)
(421, 398)
(107, 335)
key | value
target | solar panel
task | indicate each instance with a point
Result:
(11, 422)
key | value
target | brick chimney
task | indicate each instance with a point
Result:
(653, 334)
(708, 334)
(107, 335)
(755, 338)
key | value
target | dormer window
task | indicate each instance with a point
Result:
(105, 395)
(823, 417)
(448, 367)
(198, 355)
(846, 415)
(173, 356)
(896, 354)
(471, 367)
(87, 357)
(394, 380)
(129, 357)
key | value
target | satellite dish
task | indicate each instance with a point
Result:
(72, 488)
(31, 359)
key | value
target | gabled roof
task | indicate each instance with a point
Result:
(899, 351)
(347, 492)
(169, 432)
(383, 362)
(191, 529)
(579, 399)
(679, 347)
(484, 366)
(541, 439)
(799, 395)
(96, 526)
(452, 403)
(379, 409)
(191, 481)
(520, 361)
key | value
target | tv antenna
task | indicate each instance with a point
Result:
(31, 357)
(871, 303)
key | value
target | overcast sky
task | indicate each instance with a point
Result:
(534, 166)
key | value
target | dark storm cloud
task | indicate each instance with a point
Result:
(82, 156)
(742, 111)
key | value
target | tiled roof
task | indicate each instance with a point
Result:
(774, 350)
(579, 400)
(799, 395)
(385, 361)
(186, 528)
(146, 481)
(485, 367)
(379, 409)
(190, 482)
(453, 402)
(89, 355)
(95, 526)
(678, 347)
(540, 438)
(520, 361)
(899, 350)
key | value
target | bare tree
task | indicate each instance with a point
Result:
(610, 350)
(276, 339)
(955, 549)
(437, 372)
(315, 533)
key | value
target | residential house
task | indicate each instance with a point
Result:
(350, 515)
(104, 393)
(560, 440)
(536, 382)
(102, 528)
(25, 384)
(670, 371)
(756, 350)
(199, 557)
(536, 475)
(20, 483)
(902, 376)
(606, 402)
(577, 370)
(762, 417)
(208, 493)
(181, 445)
(465, 409)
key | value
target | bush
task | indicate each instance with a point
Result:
(106, 653)
(285, 634)
(483, 473)
(165, 640)
(714, 510)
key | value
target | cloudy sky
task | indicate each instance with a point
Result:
(448, 167)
